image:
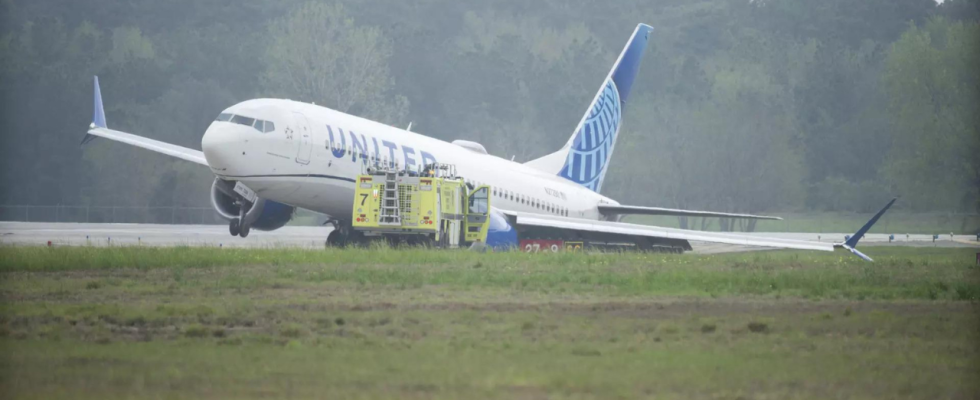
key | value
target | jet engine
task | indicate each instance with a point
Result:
(501, 235)
(264, 215)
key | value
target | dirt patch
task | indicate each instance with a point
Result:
(665, 308)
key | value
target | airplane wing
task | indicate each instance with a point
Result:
(614, 210)
(583, 227)
(99, 129)
(194, 156)
(634, 230)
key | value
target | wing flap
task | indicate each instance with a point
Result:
(606, 209)
(183, 153)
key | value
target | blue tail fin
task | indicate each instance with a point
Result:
(590, 148)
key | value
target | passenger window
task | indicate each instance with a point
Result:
(269, 126)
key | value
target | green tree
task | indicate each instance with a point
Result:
(317, 53)
(934, 91)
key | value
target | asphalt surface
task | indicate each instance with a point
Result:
(78, 234)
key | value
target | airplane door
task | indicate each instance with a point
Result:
(305, 138)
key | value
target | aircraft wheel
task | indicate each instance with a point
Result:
(234, 228)
(244, 230)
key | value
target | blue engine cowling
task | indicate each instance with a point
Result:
(265, 215)
(501, 235)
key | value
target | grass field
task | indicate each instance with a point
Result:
(379, 323)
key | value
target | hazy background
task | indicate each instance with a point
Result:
(749, 106)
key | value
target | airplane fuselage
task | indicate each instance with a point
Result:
(313, 154)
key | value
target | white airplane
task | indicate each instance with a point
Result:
(290, 154)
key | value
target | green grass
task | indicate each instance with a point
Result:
(380, 323)
(837, 222)
(898, 273)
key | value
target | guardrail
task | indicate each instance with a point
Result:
(111, 214)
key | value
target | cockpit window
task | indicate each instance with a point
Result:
(258, 124)
(238, 119)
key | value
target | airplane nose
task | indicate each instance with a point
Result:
(222, 147)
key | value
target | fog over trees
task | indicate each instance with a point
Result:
(743, 106)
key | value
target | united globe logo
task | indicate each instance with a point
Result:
(594, 141)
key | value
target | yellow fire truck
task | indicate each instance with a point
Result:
(431, 206)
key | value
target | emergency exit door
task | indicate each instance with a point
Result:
(305, 136)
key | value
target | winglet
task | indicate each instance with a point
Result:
(857, 253)
(852, 242)
(98, 115)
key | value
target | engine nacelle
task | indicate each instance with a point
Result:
(264, 215)
(501, 235)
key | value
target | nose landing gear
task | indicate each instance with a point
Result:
(242, 225)
(236, 228)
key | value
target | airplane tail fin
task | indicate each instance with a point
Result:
(98, 113)
(585, 156)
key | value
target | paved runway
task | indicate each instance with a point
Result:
(39, 233)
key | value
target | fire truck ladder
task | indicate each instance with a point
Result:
(390, 210)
